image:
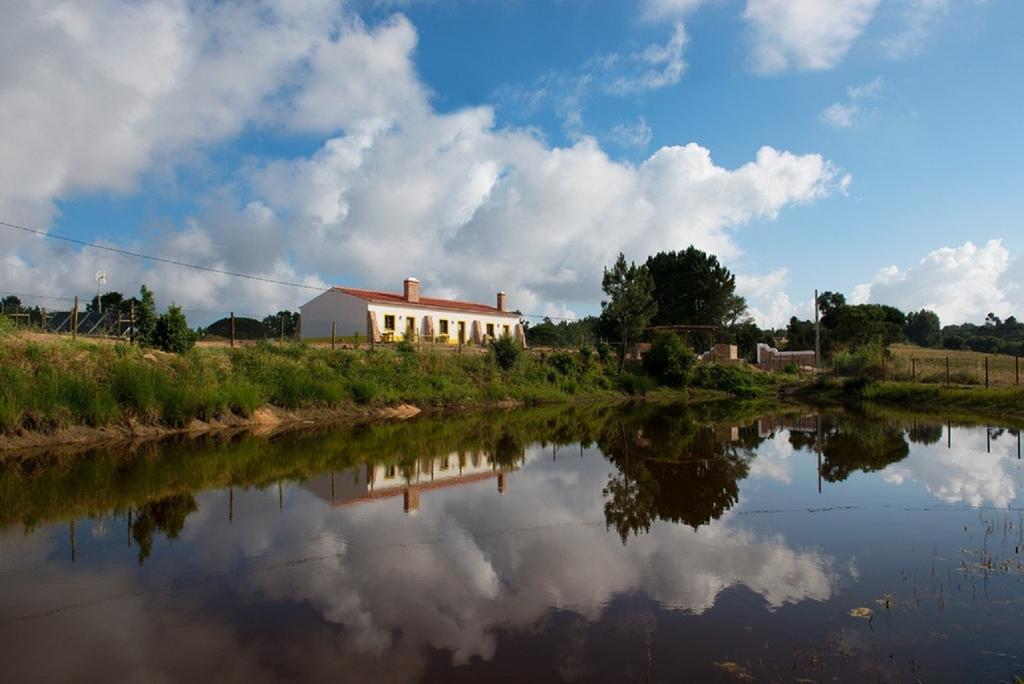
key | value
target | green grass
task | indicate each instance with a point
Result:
(57, 383)
(1005, 402)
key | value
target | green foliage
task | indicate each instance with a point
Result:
(635, 385)
(245, 328)
(922, 328)
(565, 363)
(564, 334)
(505, 351)
(288, 321)
(171, 332)
(863, 362)
(630, 303)
(405, 346)
(693, 288)
(669, 360)
(737, 381)
(145, 317)
(604, 352)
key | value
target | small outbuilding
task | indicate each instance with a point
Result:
(387, 316)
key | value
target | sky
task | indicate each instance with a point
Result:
(870, 147)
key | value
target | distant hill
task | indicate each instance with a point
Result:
(245, 329)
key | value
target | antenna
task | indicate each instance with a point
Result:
(101, 279)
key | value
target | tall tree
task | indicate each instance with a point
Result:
(630, 305)
(145, 317)
(692, 288)
(922, 327)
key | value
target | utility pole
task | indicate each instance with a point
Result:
(817, 333)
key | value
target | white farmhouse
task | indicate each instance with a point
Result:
(386, 316)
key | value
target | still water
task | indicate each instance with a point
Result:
(557, 544)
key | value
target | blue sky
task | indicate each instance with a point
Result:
(519, 145)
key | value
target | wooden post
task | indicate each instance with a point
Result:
(947, 371)
(334, 333)
(131, 317)
(74, 320)
(42, 320)
(913, 369)
(232, 329)
(1016, 369)
(986, 372)
(281, 321)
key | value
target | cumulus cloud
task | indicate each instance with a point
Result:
(959, 283)
(768, 302)
(396, 188)
(804, 34)
(849, 113)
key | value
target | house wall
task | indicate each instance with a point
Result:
(402, 312)
(333, 307)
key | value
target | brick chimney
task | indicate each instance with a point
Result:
(501, 301)
(412, 290)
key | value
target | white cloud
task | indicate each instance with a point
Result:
(804, 34)
(660, 66)
(920, 19)
(655, 10)
(849, 113)
(636, 135)
(768, 303)
(959, 283)
(396, 189)
(615, 74)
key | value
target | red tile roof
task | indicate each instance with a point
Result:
(428, 302)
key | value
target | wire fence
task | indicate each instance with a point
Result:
(935, 367)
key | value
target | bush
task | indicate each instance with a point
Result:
(363, 392)
(405, 346)
(637, 385)
(171, 332)
(731, 379)
(669, 360)
(505, 352)
(564, 362)
(604, 351)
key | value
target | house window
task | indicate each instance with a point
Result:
(505, 330)
(490, 330)
(442, 326)
(389, 322)
(390, 471)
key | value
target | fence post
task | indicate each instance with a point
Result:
(334, 333)
(1016, 369)
(913, 369)
(131, 318)
(986, 372)
(42, 320)
(281, 321)
(74, 320)
(232, 329)
(947, 371)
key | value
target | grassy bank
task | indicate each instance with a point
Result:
(1002, 402)
(52, 383)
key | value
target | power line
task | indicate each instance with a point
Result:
(197, 267)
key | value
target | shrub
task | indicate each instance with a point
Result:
(405, 346)
(564, 362)
(637, 385)
(171, 332)
(505, 352)
(363, 392)
(731, 379)
(669, 360)
(604, 351)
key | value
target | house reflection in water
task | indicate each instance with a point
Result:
(376, 481)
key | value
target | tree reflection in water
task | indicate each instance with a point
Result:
(164, 515)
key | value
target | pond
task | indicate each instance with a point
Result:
(640, 543)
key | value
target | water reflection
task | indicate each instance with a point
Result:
(515, 544)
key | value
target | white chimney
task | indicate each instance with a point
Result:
(412, 290)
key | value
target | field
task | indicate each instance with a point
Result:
(965, 367)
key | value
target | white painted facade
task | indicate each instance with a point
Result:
(395, 319)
